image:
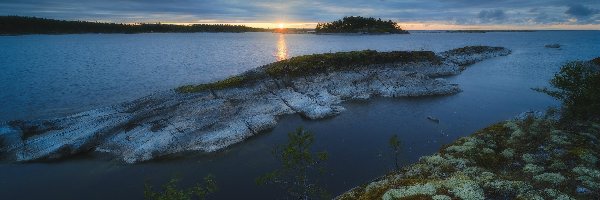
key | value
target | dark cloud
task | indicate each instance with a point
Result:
(491, 15)
(466, 12)
(580, 11)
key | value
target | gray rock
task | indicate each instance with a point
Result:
(528, 114)
(582, 190)
(169, 122)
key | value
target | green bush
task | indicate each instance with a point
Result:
(396, 146)
(170, 191)
(577, 86)
(318, 63)
(300, 167)
(222, 84)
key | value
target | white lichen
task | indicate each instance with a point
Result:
(558, 137)
(588, 158)
(425, 189)
(512, 125)
(533, 169)
(584, 171)
(488, 151)
(506, 186)
(470, 143)
(558, 165)
(555, 194)
(508, 153)
(441, 197)
(528, 158)
(464, 188)
(589, 177)
(552, 178)
(485, 177)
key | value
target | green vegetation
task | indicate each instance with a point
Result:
(577, 86)
(17, 25)
(300, 167)
(171, 192)
(358, 24)
(395, 145)
(473, 50)
(319, 63)
(222, 84)
(596, 61)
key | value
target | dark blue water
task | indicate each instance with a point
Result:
(357, 140)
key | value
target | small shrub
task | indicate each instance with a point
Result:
(577, 86)
(171, 192)
(395, 145)
(300, 167)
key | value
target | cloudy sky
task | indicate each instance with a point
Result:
(411, 14)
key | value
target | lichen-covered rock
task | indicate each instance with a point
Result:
(426, 189)
(552, 178)
(533, 169)
(541, 162)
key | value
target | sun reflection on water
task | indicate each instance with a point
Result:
(282, 51)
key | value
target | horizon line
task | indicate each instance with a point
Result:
(408, 25)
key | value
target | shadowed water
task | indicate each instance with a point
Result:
(47, 76)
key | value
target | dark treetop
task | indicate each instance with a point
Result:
(17, 25)
(360, 25)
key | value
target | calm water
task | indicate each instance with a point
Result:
(48, 76)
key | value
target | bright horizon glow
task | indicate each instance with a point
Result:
(281, 25)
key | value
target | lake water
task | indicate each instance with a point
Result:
(49, 76)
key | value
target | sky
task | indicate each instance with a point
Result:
(410, 14)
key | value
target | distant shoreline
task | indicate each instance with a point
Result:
(486, 31)
(309, 33)
(18, 25)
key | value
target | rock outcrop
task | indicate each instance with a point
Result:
(209, 120)
(525, 158)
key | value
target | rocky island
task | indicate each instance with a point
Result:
(210, 117)
(359, 25)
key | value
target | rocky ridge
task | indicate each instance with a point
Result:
(170, 122)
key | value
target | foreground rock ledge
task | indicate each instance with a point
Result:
(530, 158)
(170, 122)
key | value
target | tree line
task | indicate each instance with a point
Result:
(17, 25)
(358, 24)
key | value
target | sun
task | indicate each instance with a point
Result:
(281, 25)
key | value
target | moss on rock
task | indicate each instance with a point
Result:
(542, 162)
